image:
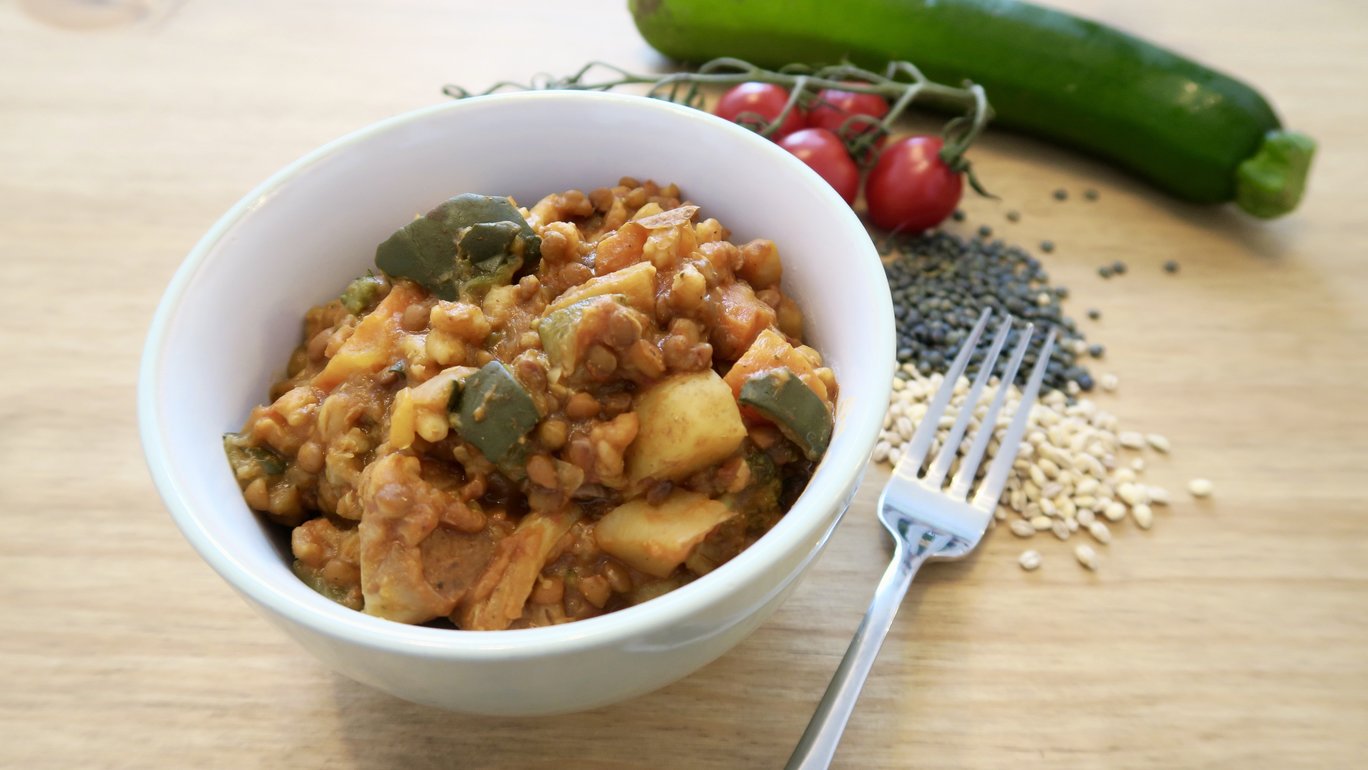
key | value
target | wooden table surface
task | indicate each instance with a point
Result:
(1234, 634)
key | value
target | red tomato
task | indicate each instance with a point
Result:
(824, 153)
(910, 188)
(743, 103)
(834, 107)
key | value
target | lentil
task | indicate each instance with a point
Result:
(1013, 216)
(1171, 266)
(1090, 194)
(1094, 314)
(940, 283)
(1061, 194)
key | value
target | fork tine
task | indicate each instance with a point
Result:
(936, 473)
(914, 452)
(991, 488)
(969, 464)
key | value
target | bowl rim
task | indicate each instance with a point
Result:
(862, 423)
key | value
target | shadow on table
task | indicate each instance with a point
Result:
(736, 712)
(726, 715)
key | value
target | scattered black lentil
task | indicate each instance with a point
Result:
(1105, 271)
(1090, 194)
(940, 283)
(985, 231)
(1171, 266)
(1061, 194)
(1047, 246)
(1118, 267)
(1094, 313)
(1014, 216)
(958, 215)
(1096, 350)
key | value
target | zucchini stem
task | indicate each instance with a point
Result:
(1271, 182)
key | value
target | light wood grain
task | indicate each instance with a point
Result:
(1232, 635)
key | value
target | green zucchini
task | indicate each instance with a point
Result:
(363, 294)
(493, 411)
(799, 413)
(1193, 132)
(462, 248)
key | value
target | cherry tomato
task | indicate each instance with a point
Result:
(742, 103)
(910, 188)
(834, 107)
(824, 153)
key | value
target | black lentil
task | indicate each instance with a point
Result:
(958, 215)
(1105, 271)
(1090, 194)
(1096, 350)
(1171, 266)
(1061, 194)
(1014, 216)
(940, 282)
(1094, 313)
(1118, 267)
(985, 231)
(1047, 246)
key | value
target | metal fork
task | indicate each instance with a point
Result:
(927, 522)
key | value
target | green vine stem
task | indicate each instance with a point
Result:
(902, 84)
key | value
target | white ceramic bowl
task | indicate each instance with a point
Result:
(232, 314)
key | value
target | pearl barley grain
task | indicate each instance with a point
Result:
(1029, 560)
(1143, 515)
(1086, 556)
(1076, 470)
(1200, 488)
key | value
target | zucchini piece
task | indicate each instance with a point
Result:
(462, 248)
(362, 294)
(1176, 123)
(560, 330)
(566, 333)
(493, 411)
(800, 414)
(242, 457)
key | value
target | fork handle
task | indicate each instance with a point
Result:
(818, 744)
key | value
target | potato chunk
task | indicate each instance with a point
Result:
(658, 538)
(688, 422)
